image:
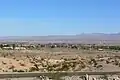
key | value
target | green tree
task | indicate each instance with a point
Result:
(13, 45)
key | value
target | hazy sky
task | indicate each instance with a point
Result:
(58, 17)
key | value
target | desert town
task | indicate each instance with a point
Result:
(59, 57)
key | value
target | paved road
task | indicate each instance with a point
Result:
(32, 75)
(53, 74)
(65, 78)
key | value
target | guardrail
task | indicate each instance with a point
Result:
(53, 74)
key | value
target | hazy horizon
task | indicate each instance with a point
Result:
(116, 33)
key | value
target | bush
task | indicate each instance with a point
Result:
(18, 70)
(32, 69)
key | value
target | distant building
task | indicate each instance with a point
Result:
(100, 49)
(20, 48)
(8, 48)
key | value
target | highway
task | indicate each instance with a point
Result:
(52, 74)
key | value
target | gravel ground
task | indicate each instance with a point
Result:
(68, 78)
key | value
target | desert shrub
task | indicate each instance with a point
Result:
(116, 62)
(12, 67)
(20, 71)
(4, 63)
(17, 60)
(14, 70)
(107, 62)
(99, 66)
(22, 64)
(32, 69)
(119, 64)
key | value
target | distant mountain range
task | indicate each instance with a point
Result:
(82, 38)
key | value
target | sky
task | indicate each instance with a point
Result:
(58, 17)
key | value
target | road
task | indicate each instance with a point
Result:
(32, 75)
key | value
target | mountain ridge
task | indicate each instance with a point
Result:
(81, 38)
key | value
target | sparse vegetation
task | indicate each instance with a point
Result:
(58, 57)
(20, 46)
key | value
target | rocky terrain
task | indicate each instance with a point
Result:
(32, 64)
(52, 60)
(36, 61)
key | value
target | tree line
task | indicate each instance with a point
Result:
(62, 45)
